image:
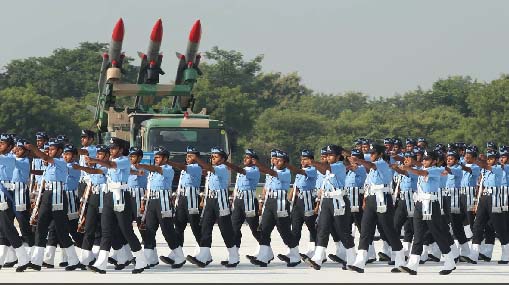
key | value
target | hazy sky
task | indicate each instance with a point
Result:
(377, 47)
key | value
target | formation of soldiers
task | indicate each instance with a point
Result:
(449, 201)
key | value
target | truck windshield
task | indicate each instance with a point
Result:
(177, 139)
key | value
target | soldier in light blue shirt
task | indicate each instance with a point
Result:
(302, 199)
(8, 232)
(216, 207)
(117, 210)
(471, 173)
(52, 207)
(137, 182)
(489, 208)
(334, 213)
(244, 207)
(188, 199)
(427, 215)
(159, 209)
(379, 209)
(275, 213)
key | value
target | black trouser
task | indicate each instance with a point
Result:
(209, 217)
(72, 226)
(485, 214)
(92, 223)
(402, 220)
(328, 222)
(110, 219)
(298, 218)
(153, 219)
(371, 217)
(270, 219)
(435, 226)
(458, 219)
(8, 234)
(23, 218)
(182, 217)
(46, 216)
(357, 216)
(238, 218)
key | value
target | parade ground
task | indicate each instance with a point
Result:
(277, 271)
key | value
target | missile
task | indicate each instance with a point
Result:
(191, 58)
(150, 67)
(115, 52)
(194, 42)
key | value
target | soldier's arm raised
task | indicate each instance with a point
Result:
(151, 168)
(235, 168)
(39, 153)
(320, 166)
(88, 170)
(204, 165)
(107, 164)
(181, 166)
(264, 169)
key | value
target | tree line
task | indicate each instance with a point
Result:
(263, 110)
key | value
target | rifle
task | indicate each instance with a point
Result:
(479, 193)
(35, 206)
(203, 202)
(143, 210)
(294, 194)
(83, 207)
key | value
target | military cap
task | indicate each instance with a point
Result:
(282, 154)
(491, 153)
(397, 141)
(357, 153)
(377, 148)
(410, 154)
(307, 153)
(453, 153)
(418, 150)
(70, 148)
(21, 143)
(471, 150)
(192, 149)
(421, 139)
(219, 150)
(440, 146)
(56, 143)
(273, 152)
(388, 141)
(333, 149)
(6, 138)
(461, 145)
(116, 142)
(102, 148)
(63, 139)
(504, 150)
(41, 136)
(491, 145)
(135, 151)
(251, 153)
(430, 155)
(410, 141)
(160, 150)
(323, 151)
(87, 133)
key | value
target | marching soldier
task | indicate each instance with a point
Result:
(244, 208)
(406, 186)
(9, 236)
(159, 209)
(52, 207)
(378, 208)
(334, 213)
(489, 207)
(302, 200)
(87, 149)
(275, 213)
(115, 208)
(187, 200)
(216, 207)
(427, 215)
(94, 204)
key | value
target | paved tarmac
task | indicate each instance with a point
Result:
(276, 272)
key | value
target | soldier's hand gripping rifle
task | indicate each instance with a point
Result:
(83, 208)
(143, 210)
(35, 206)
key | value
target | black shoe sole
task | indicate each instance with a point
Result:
(433, 258)
(74, 267)
(10, 264)
(408, 270)
(355, 268)
(370, 260)
(232, 265)
(112, 260)
(22, 268)
(63, 264)
(138, 271)
(47, 265)
(484, 257)
(224, 262)
(313, 264)
(303, 256)
(177, 266)
(95, 269)
(336, 258)
(293, 264)
(283, 257)
(396, 270)
(258, 263)
(34, 266)
(383, 257)
(503, 262)
(445, 272)
(167, 260)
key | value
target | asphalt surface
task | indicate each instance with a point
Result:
(277, 271)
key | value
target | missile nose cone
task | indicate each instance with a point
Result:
(195, 34)
(118, 31)
(157, 31)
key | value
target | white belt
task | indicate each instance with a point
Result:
(421, 197)
(373, 189)
(274, 193)
(8, 185)
(489, 190)
(335, 194)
